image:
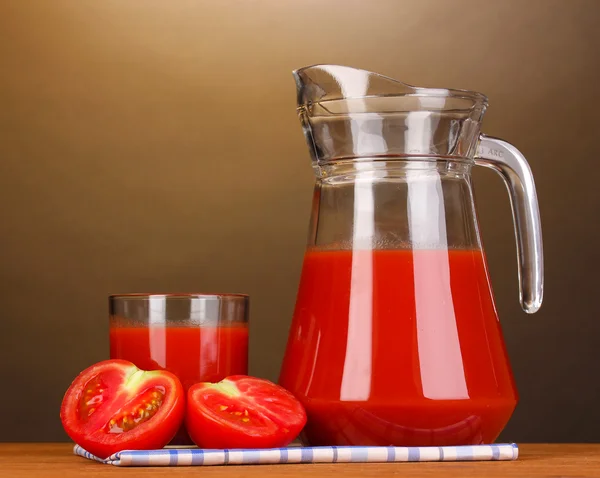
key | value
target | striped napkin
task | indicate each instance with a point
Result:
(320, 454)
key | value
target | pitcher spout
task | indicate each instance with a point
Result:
(350, 113)
(319, 83)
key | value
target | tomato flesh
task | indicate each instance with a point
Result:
(242, 412)
(113, 406)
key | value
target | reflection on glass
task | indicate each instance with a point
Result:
(356, 377)
(157, 308)
(440, 358)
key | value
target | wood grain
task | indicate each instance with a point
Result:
(556, 460)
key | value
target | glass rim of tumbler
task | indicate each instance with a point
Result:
(175, 295)
(171, 308)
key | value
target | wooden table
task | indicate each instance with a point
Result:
(56, 460)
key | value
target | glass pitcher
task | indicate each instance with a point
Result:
(395, 338)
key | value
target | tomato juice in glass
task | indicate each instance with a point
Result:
(198, 337)
(398, 347)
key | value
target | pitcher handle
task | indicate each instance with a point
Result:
(508, 161)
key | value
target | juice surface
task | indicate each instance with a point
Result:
(194, 354)
(398, 347)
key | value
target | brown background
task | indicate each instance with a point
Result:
(154, 146)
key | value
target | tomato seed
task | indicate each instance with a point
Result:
(92, 398)
(131, 419)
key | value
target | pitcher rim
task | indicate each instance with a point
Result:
(479, 99)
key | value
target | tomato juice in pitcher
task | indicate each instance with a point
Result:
(395, 338)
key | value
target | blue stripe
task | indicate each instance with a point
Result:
(226, 457)
(441, 449)
(335, 454)
(173, 457)
(414, 454)
(359, 454)
(251, 458)
(197, 457)
(495, 452)
(284, 456)
(464, 453)
(143, 460)
(391, 453)
(307, 455)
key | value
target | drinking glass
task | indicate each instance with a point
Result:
(198, 337)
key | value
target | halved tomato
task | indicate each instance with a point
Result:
(242, 412)
(113, 406)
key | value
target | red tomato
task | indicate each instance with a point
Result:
(242, 412)
(113, 406)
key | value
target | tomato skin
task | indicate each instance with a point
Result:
(242, 412)
(116, 388)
